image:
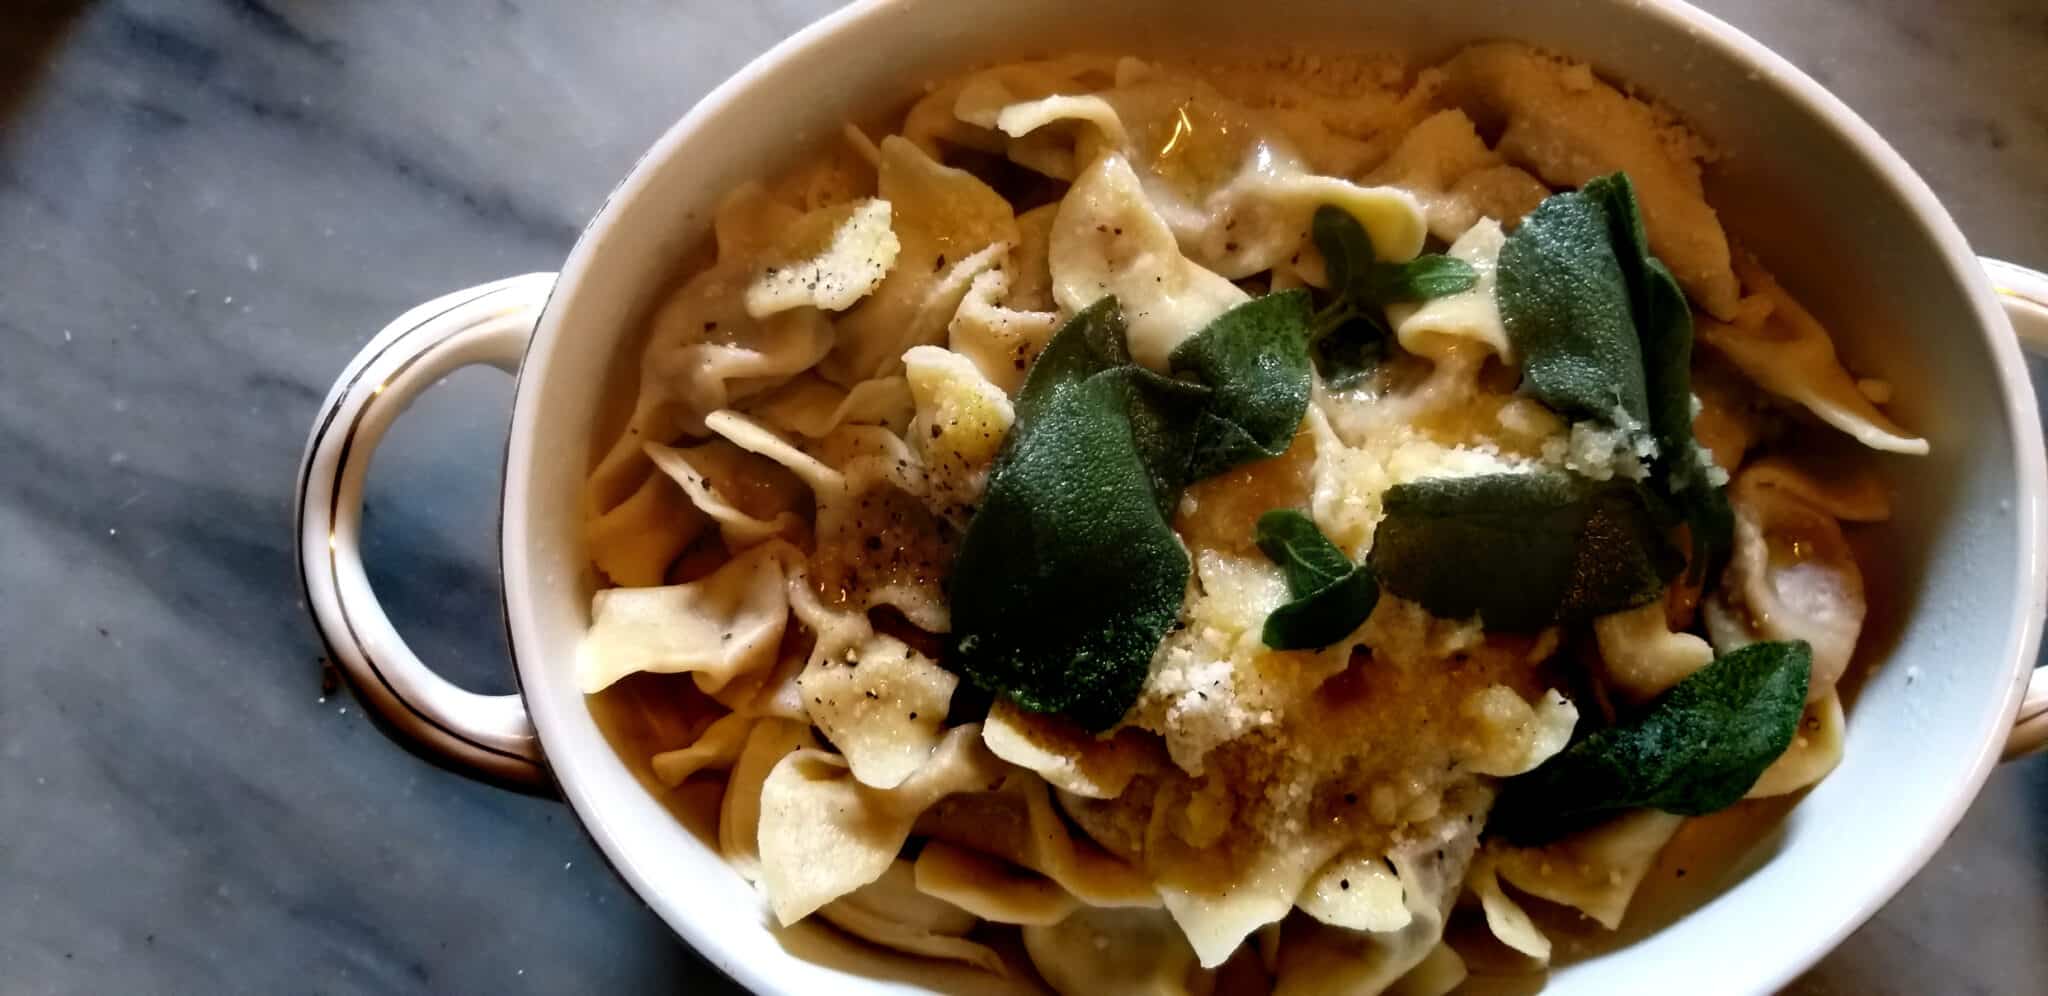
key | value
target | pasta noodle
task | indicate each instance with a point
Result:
(823, 834)
(714, 750)
(1115, 951)
(1814, 752)
(892, 912)
(740, 810)
(717, 480)
(1783, 348)
(1108, 240)
(722, 626)
(859, 250)
(1595, 872)
(990, 888)
(634, 542)
(949, 226)
(1641, 658)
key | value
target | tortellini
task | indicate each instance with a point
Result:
(1793, 575)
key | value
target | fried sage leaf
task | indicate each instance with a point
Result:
(1565, 300)
(1663, 322)
(1522, 551)
(1070, 574)
(1698, 748)
(1606, 336)
(1348, 335)
(1254, 358)
(1330, 596)
(1306, 557)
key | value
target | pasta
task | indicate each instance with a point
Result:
(894, 912)
(1468, 318)
(719, 627)
(1109, 240)
(1283, 305)
(1793, 575)
(1114, 951)
(749, 502)
(1567, 126)
(1784, 349)
(812, 407)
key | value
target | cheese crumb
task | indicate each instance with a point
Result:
(1602, 454)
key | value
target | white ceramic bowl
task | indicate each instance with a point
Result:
(1832, 209)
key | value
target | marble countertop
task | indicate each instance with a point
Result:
(206, 207)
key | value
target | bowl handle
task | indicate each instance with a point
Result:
(2024, 293)
(484, 736)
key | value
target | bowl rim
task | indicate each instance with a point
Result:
(2021, 640)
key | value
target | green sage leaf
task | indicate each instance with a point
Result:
(1346, 358)
(1565, 300)
(1070, 573)
(1663, 322)
(1090, 342)
(1254, 358)
(1429, 275)
(1348, 334)
(1330, 595)
(1697, 749)
(1348, 255)
(1556, 548)
(1166, 417)
(1306, 557)
(1320, 618)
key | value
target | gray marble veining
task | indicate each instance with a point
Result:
(207, 205)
